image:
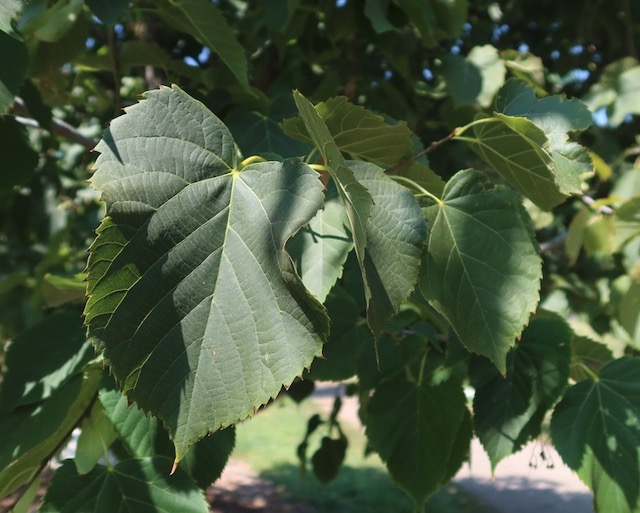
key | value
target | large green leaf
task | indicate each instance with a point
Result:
(508, 411)
(527, 142)
(204, 21)
(32, 434)
(143, 436)
(558, 117)
(414, 428)
(595, 429)
(131, 486)
(28, 380)
(396, 233)
(357, 200)
(13, 55)
(191, 295)
(358, 132)
(482, 269)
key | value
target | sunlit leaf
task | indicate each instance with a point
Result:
(482, 269)
(191, 293)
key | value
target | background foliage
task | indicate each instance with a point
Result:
(437, 197)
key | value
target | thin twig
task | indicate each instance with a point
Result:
(115, 68)
(58, 127)
(433, 146)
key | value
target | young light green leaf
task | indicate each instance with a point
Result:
(358, 132)
(414, 429)
(140, 486)
(321, 248)
(595, 430)
(60, 290)
(508, 411)
(204, 21)
(482, 270)
(192, 296)
(96, 437)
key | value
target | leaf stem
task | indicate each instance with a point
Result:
(422, 365)
(462, 129)
(412, 183)
(251, 160)
(588, 371)
(321, 168)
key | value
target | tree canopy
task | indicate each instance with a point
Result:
(209, 204)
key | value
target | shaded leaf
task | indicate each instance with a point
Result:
(474, 79)
(482, 270)
(28, 380)
(557, 116)
(328, 459)
(59, 290)
(140, 486)
(32, 434)
(108, 11)
(376, 11)
(191, 293)
(24, 159)
(96, 437)
(143, 436)
(508, 411)
(358, 132)
(435, 19)
(595, 428)
(14, 55)
(204, 21)
(414, 429)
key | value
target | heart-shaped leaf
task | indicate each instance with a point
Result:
(595, 428)
(192, 296)
(482, 270)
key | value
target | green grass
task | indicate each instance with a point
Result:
(268, 444)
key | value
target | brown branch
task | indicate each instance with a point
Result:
(58, 127)
(432, 147)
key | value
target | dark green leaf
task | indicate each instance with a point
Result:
(108, 11)
(435, 19)
(414, 429)
(14, 141)
(191, 293)
(59, 290)
(15, 59)
(595, 428)
(328, 459)
(376, 11)
(28, 380)
(508, 411)
(482, 269)
(143, 436)
(31, 435)
(131, 486)
(205, 22)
